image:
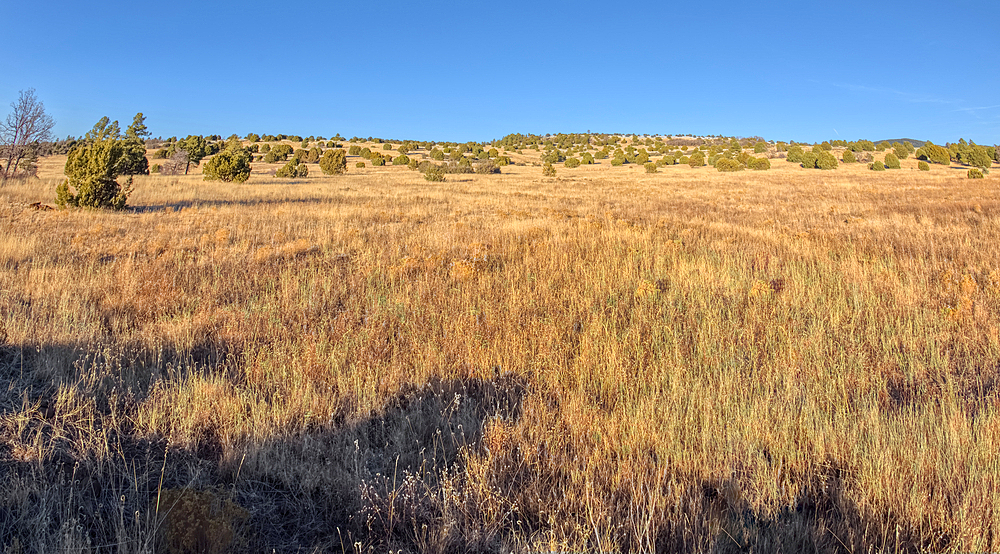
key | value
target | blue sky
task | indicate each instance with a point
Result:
(805, 71)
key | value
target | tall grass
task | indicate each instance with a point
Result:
(680, 361)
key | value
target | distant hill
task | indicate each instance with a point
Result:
(915, 143)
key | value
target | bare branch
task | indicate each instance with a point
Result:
(23, 132)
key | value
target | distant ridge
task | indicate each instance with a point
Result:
(914, 142)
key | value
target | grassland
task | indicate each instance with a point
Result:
(606, 360)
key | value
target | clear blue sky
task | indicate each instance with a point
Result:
(805, 71)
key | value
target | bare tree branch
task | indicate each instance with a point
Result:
(23, 132)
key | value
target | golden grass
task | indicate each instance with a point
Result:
(605, 360)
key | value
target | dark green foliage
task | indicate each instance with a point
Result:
(354, 150)
(434, 173)
(278, 153)
(975, 173)
(548, 170)
(876, 166)
(401, 159)
(923, 166)
(230, 165)
(891, 161)
(727, 164)
(377, 159)
(387, 146)
(503, 160)
(650, 167)
(403, 149)
(684, 160)
(572, 163)
(437, 154)
(314, 155)
(759, 147)
(265, 148)
(92, 169)
(334, 161)
(900, 150)
(862, 146)
(642, 157)
(826, 160)
(293, 170)
(795, 154)
(414, 164)
(155, 168)
(554, 156)
(849, 157)
(976, 156)
(882, 146)
(934, 154)
(359, 165)
(696, 160)
(759, 164)
(587, 158)
(253, 137)
(826, 146)
(809, 160)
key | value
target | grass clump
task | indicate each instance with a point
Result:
(975, 173)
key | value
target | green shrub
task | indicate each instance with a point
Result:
(849, 157)
(876, 166)
(976, 156)
(334, 161)
(230, 165)
(934, 154)
(92, 171)
(503, 160)
(809, 160)
(377, 159)
(413, 164)
(891, 161)
(759, 164)
(882, 146)
(387, 146)
(155, 168)
(759, 147)
(668, 160)
(975, 173)
(826, 160)
(795, 154)
(548, 170)
(293, 170)
(264, 149)
(684, 160)
(401, 159)
(437, 154)
(359, 165)
(572, 163)
(366, 153)
(354, 150)
(434, 173)
(727, 164)
(650, 167)
(696, 160)
(900, 150)
(923, 166)
(618, 160)
(642, 157)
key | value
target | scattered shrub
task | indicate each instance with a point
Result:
(900, 150)
(434, 173)
(359, 165)
(92, 172)
(293, 170)
(795, 154)
(486, 167)
(727, 164)
(683, 161)
(923, 166)
(334, 161)
(975, 173)
(826, 160)
(876, 166)
(934, 154)
(548, 170)
(354, 150)
(401, 159)
(650, 167)
(503, 160)
(759, 164)
(155, 168)
(387, 146)
(572, 163)
(759, 147)
(230, 165)
(891, 161)
(413, 164)
(696, 160)
(849, 157)
(437, 154)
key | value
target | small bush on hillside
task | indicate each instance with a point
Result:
(293, 170)
(354, 150)
(650, 167)
(377, 159)
(155, 168)
(876, 166)
(795, 154)
(503, 160)
(334, 161)
(975, 173)
(759, 164)
(900, 150)
(934, 154)
(548, 170)
(726, 164)
(401, 159)
(696, 160)
(642, 157)
(809, 160)
(230, 165)
(759, 147)
(265, 148)
(684, 160)
(572, 163)
(437, 154)
(891, 161)
(923, 166)
(849, 157)
(486, 167)
(826, 160)
(434, 173)
(387, 146)
(587, 158)
(360, 165)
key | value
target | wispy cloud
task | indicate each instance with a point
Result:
(978, 108)
(916, 98)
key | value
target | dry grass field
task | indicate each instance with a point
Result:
(606, 360)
